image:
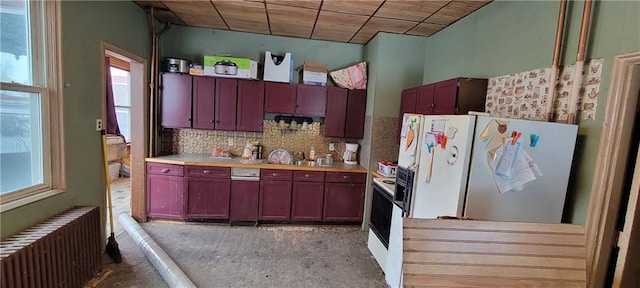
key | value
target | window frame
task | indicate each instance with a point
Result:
(46, 17)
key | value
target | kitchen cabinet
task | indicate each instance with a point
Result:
(175, 100)
(225, 106)
(207, 192)
(279, 98)
(275, 195)
(345, 113)
(344, 196)
(165, 191)
(455, 96)
(250, 111)
(311, 100)
(203, 102)
(244, 201)
(307, 196)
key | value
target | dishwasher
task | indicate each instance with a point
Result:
(245, 188)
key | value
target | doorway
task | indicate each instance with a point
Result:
(129, 76)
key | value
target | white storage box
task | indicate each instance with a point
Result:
(314, 74)
(278, 68)
(387, 170)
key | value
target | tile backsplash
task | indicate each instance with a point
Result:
(187, 141)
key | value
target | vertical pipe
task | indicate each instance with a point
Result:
(577, 72)
(152, 84)
(556, 59)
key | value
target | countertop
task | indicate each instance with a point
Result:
(207, 160)
(388, 187)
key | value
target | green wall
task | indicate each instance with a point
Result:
(84, 26)
(395, 63)
(506, 37)
(192, 43)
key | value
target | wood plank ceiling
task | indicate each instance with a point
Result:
(355, 21)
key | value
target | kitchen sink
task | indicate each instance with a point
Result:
(305, 163)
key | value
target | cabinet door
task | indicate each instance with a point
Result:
(250, 105)
(207, 198)
(306, 202)
(343, 202)
(275, 200)
(203, 102)
(311, 100)
(444, 99)
(336, 113)
(165, 196)
(279, 98)
(244, 200)
(175, 100)
(356, 108)
(425, 101)
(226, 99)
(407, 105)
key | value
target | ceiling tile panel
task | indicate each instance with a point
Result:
(311, 4)
(337, 26)
(196, 13)
(426, 29)
(359, 7)
(245, 16)
(455, 11)
(410, 10)
(376, 24)
(291, 21)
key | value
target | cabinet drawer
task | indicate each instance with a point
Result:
(275, 174)
(208, 171)
(340, 177)
(165, 169)
(308, 176)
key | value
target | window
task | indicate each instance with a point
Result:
(121, 80)
(31, 165)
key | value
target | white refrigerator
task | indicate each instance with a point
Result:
(483, 168)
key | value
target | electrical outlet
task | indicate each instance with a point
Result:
(332, 147)
(229, 141)
(98, 124)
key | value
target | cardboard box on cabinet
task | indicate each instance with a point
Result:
(231, 67)
(313, 74)
(278, 68)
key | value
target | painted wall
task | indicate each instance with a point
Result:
(506, 37)
(192, 43)
(84, 26)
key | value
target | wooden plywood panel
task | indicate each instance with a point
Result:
(426, 29)
(454, 11)
(150, 4)
(197, 13)
(310, 4)
(337, 26)
(291, 21)
(367, 7)
(245, 16)
(410, 10)
(376, 24)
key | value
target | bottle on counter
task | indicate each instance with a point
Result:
(312, 153)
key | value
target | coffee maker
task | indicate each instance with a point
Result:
(351, 154)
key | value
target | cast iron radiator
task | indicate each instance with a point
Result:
(64, 251)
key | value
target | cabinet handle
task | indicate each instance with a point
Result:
(307, 175)
(345, 177)
(275, 174)
(206, 171)
(164, 170)
(210, 121)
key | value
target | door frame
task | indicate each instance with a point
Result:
(611, 161)
(139, 124)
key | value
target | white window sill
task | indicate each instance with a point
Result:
(29, 199)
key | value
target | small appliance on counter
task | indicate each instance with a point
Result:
(351, 154)
(176, 65)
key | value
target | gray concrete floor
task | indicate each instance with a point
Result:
(214, 255)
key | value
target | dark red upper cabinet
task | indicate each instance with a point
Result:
(444, 97)
(250, 105)
(336, 113)
(175, 100)
(408, 100)
(424, 99)
(280, 98)
(203, 102)
(226, 101)
(356, 108)
(311, 100)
